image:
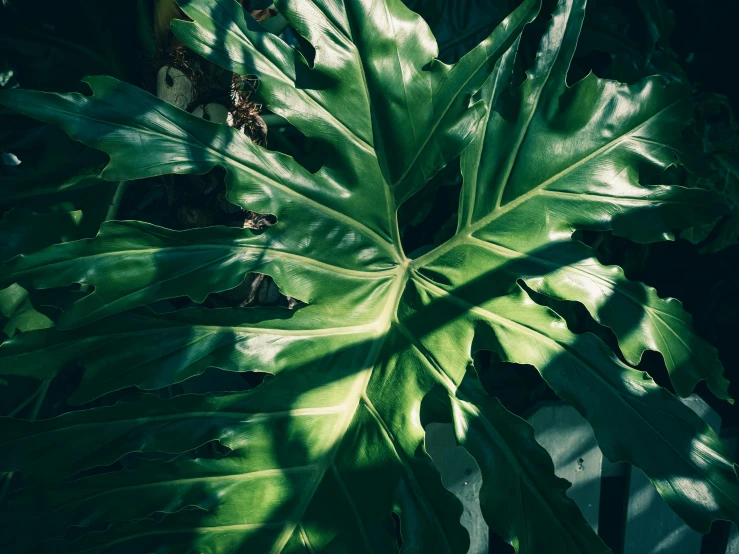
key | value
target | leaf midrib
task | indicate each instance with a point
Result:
(364, 145)
(226, 157)
(451, 390)
(620, 395)
(365, 274)
(256, 418)
(175, 530)
(569, 169)
(498, 212)
(432, 132)
(383, 323)
(489, 245)
(524, 473)
(184, 480)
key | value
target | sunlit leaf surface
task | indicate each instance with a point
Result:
(325, 452)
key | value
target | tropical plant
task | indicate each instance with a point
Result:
(320, 456)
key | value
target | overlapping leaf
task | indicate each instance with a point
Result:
(325, 452)
(459, 25)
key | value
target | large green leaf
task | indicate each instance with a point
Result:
(323, 453)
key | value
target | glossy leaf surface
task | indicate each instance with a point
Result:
(323, 453)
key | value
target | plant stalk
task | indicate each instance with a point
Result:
(115, 203)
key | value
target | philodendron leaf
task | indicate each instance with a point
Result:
(329, 448)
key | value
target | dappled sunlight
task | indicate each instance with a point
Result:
(330, 449)
(642, 501)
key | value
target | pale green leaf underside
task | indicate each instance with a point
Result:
(332, 445)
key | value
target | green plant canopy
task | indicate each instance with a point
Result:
(322, 454)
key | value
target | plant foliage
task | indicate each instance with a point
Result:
(323, 453)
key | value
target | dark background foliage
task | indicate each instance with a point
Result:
(704, 40)
(708, 30)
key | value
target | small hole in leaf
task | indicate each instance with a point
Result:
(311, 153)
(256, 289)
(215, 381)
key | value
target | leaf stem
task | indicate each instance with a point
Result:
(115, 203)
